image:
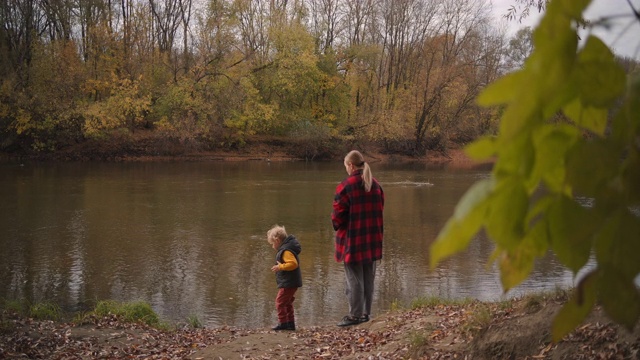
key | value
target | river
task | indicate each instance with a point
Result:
(190, 238)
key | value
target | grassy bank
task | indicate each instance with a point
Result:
(127, 312)
(428, 328)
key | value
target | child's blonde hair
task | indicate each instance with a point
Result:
(277, 232)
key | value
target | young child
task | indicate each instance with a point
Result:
(288, 275)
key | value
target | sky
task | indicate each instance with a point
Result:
(623, 37)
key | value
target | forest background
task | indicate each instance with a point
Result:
(168, 77)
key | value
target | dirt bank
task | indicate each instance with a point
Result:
(516, 329)
(146, 146)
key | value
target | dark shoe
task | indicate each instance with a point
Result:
(281, 326)
(285, 326)
(364, 318)
(348, 321)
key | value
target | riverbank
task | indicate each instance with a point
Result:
(146, 147)
(431, 329)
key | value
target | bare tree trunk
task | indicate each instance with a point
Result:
(185, 10)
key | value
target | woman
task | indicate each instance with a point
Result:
(357, 219)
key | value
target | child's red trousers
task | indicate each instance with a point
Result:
(284, 304)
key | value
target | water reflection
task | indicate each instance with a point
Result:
(190, 238)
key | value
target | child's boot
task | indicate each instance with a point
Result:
(281, 326)
(291, 325)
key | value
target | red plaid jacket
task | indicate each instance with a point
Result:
(357, 219)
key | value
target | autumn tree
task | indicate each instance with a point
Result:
(124, 108)
(227, 69)
(325, 23)
(455, 65)
(253, 25)
(43, 75)
(358, 59)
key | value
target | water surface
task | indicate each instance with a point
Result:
(190, 238)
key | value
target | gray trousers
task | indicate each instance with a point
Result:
(359, 288)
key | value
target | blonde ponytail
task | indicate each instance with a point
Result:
(366, 177)
(355, 157)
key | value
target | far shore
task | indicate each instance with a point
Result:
(454, 158)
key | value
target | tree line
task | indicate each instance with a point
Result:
(401, 73)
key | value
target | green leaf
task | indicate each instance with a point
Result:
(550, 65)
(539, 208)
(618, 237)
(620, 297)
(590, 165)
(501, 91)
(518, 91)
(591, 118)
(481, 149)
(537, 154)
(465, 222)
(601, 80)
(566, 93)
(551, 143)
(516, 265)
(509, 204)
(518, 116)
(555, 42)
(626, 124)
(577, 308)
(631, 177)
(574, 8)
(536, 240)
(515, 155)
(570, 232)
(554, 37)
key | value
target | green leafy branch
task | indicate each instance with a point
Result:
(567, 171)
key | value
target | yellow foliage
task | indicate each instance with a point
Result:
(23, 122)
(125, 108)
